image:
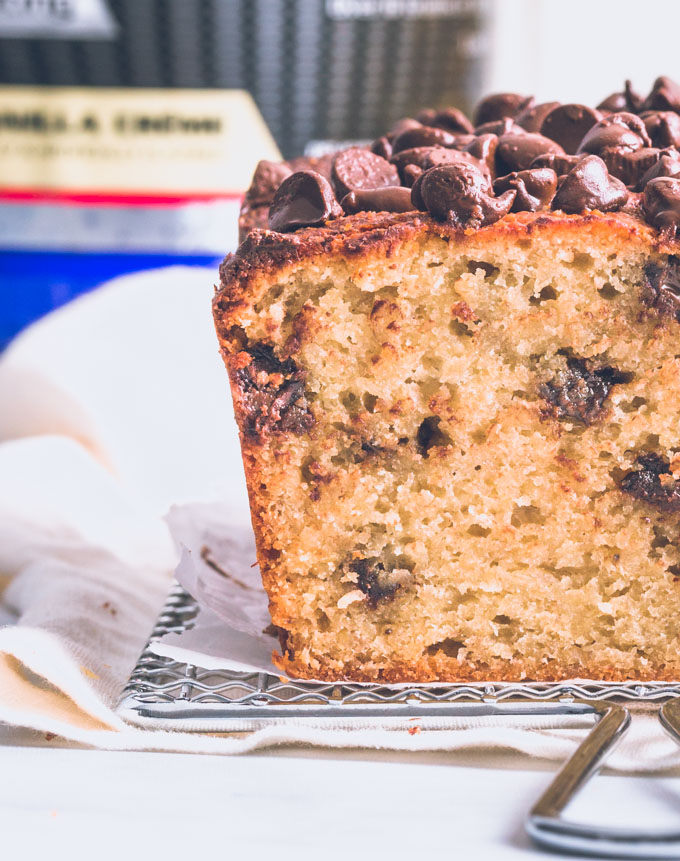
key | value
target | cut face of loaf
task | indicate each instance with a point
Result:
(462, 450)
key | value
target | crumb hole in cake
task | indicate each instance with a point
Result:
(460, 330)
(581, 260)
(323, 622)
(350, 402)
(478, 530)
(607, 291)
(674, 570)
(547, 294)
(430, 435)
(435, 264)
(449, 647)
(633, 406)
(523, 514)
(490, 271)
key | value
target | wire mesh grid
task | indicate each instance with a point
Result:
(162, 691)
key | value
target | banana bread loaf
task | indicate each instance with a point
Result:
(455, 364)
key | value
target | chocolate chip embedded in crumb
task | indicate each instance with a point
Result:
(377, 582)
(661, 200)
(578, 393)
(461, 195)
(270, 393)
(304, 199)
(535, 188)
(589, 186)
(516, 152)
(393, 199)
(355, 169)
(653, 483)
(661, 289)
(568, 124)
(499, 105)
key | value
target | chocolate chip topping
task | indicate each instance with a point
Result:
(561, 164)
(304, 199)
(531, 119)
(535, 188)
(653, 483)
(514, 141)
(661, 290)
(663, 128)
(589, 186)
(267, 178)
(499, 105)
(425, 157)
(355, 169)
(628, 100)
(271, 393)
(516, 152)
(461, 195)
(661, 199)
(568, 124)
(665, 96)
(668, 164)
(394, 199)
(579, 392)
(622, 130)
(450, 119)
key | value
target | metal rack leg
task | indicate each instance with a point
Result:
(547, 827)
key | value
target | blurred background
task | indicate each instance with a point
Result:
(169, 104)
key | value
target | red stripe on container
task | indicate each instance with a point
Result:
(114, 198)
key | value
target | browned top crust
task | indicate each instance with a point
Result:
(265, 252)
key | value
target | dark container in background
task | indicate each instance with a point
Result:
(318, 69)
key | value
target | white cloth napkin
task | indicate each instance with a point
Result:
(101, 436)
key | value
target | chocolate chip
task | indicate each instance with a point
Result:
(653, 483)
(568, 124)
(665, 96)
(578, 393)
(483, 148)
(267, 178)
(505, 126)
(668, 164)
(460, 194)
(628, 166)
(394, 199)
(422, 136)
(661, 290)
(450, 119)
(532, 118)
(628, 100)
(426, 157)
(270, 393)
(355, 169)
(663, 128)
(561, 164)
(377, 582)
(661, 199)
(535, 188)
(499, 105)
(622, 130)
(589, 186)
(401, 126)
(516, 152)
(304, 199)
(382, 147)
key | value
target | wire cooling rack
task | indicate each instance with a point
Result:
(165, 692)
